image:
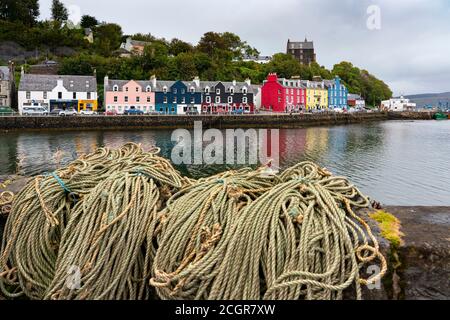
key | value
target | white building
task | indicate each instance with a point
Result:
(398, 105)
(356, 101)
(58, 92)
(257, 96)
(257, 59)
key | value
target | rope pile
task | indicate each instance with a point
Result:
(299, 239)
(6, 199)
(126, 224)
(89, 215)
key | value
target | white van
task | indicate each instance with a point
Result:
(34, 111)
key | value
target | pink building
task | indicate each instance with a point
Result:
(121, 95)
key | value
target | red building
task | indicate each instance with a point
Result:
(283, 95)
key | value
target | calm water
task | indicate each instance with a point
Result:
(397, 163)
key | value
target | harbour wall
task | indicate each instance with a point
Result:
(208, 121)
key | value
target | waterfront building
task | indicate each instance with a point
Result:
(398, 104)
(227, 97)
(7, 85)
(316, 95)
(356, 101)
(177, 97)
(337, 93)
(257, 96)
(303, 52)
(121, 95)
(58, 92)
(283, 95)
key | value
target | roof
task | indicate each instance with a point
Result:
(4, 73)
(301, 45)
(35, 82)
(352, 96)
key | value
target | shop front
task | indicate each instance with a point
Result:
(87, 105)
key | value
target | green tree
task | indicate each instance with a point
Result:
(88, 21)
(108, 37)
(23, 11)
(59, 12)
(177, 46)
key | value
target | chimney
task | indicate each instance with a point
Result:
(22, 71)
(197, 81)
(234, 82)
(153, 80)
(106, 82)
(95, 72)
(248, 81)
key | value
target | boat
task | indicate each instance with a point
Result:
(440, 116)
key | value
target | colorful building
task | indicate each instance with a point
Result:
(121, 95)
(58, 92)
(177, 97)
(228, 97)
(316, 95)
(283, 95)
(337, 93)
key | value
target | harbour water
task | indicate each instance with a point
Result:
(394, 162)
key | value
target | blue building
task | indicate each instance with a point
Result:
(337, 93)
(177, 97)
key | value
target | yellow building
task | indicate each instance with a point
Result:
(316, 95)
(87, 105)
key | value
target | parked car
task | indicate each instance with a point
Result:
(87, 113)
(63, 113)
(34, 111)
(192, 113)
(112, 112)
(237, 111)
(6, 111)
(133, 112)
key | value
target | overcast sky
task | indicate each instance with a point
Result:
(411, 51)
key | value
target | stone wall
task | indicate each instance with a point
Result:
(159, 122)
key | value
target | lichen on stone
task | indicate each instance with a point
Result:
(390, 227)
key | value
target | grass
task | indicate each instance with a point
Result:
(390, 227)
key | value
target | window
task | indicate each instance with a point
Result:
(74, 95)
(175, 91)
(244, 90)
(217, 99)
(231, 90)
(183, 91)
(165, 99)
(230, 99)
(59, 95)
(192, 100)
(89, 95)
(287, 91)
(138, 99)
(207, 90)
(208, 99)
(45, 94)
(126, 99)
(244, 100)
(165, 89)
(192, 90)
(126, 89)
(279, 91)
(183, 100)
(217, 91)
(149, 99)
(148, 89)
(137, 89)
(28, 95)
(116, 99)
(174, 99)
(116, 88)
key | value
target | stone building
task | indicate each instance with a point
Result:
(303, 52)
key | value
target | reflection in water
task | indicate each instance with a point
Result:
(398, 163)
